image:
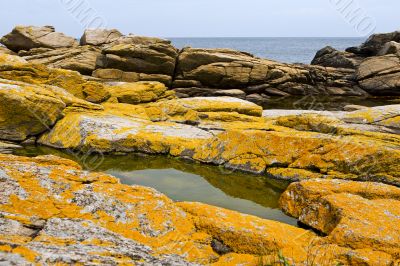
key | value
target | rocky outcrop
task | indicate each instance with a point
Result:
(28, 37)
(222, 69)
(351, 214)
(141, 55)
(330, 57)
(390, 48)
(16, 68)
(28, 110)
(4, 50)
(380, 75)
(98, 37)
(139, 92)
(373, 45)
(80, 58)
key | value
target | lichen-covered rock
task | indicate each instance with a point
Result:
(230, 69)
(98, 37)
(139, 92)
(16, 68)
(352, 214)
(28, 37)
(4, 50)
(80, 58)
(52, 212)
(380, 75)
(28, 110)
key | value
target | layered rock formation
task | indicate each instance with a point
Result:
(111, 56)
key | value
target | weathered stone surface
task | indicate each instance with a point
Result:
(98, 37)
(81, 58)
(140, 55)
(28, 110)
(139, 92)
(230, 69)
(4, 50)
(122, 76)
(352, 214)
(330, 57)
(380, 75)
(390, 48)
(53, 212)
(28, 37)
(16, 68)
(374, 43)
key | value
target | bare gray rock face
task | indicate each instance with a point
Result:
(28, 37)
(138, 54)
(374, 43)
(80, 58)
(98, 37)
(330, 57)
(390, 48)
(380, 75)
(224, 69)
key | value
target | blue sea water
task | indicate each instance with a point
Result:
(289, 50)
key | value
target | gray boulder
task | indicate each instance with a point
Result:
(98, 37)
(28, 37)
(330, 57)
(374, 43)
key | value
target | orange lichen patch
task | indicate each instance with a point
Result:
(39, 74)
(26, 253)
(241, 259)
(128, 110)
(248, 234)
(5, 248)
(353, 214)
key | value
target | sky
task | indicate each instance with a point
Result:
(208, 18)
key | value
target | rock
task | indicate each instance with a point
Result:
(140, 92)
(330, 57)
(98, 37)
(27, 110)
(81, 58)
(351, 214)
(122, 76)
(257, 98)
(375, 43)
(353, 107)
(140, 55)
(17, 69)
(380, 75)
(388, 115)
(231, 93)
(390, 48)
(7, 147)
(72, 216)
(4, 50)
(224, 69)
(28, 37)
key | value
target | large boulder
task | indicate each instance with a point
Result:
(28, 110)
(380, 75)
(374, 43)
(390, 48)
(80, 58)
(330, 57)
(139, 92)
(98, 37)
(352, 214)
(28, 37)
(230, 69)
(141, 55)
(16, 68)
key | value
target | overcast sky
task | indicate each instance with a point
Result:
(208, 18)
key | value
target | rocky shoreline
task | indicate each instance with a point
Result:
(125, 94)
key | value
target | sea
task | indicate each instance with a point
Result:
(285, 49)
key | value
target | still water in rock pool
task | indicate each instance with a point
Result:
(187, 181)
